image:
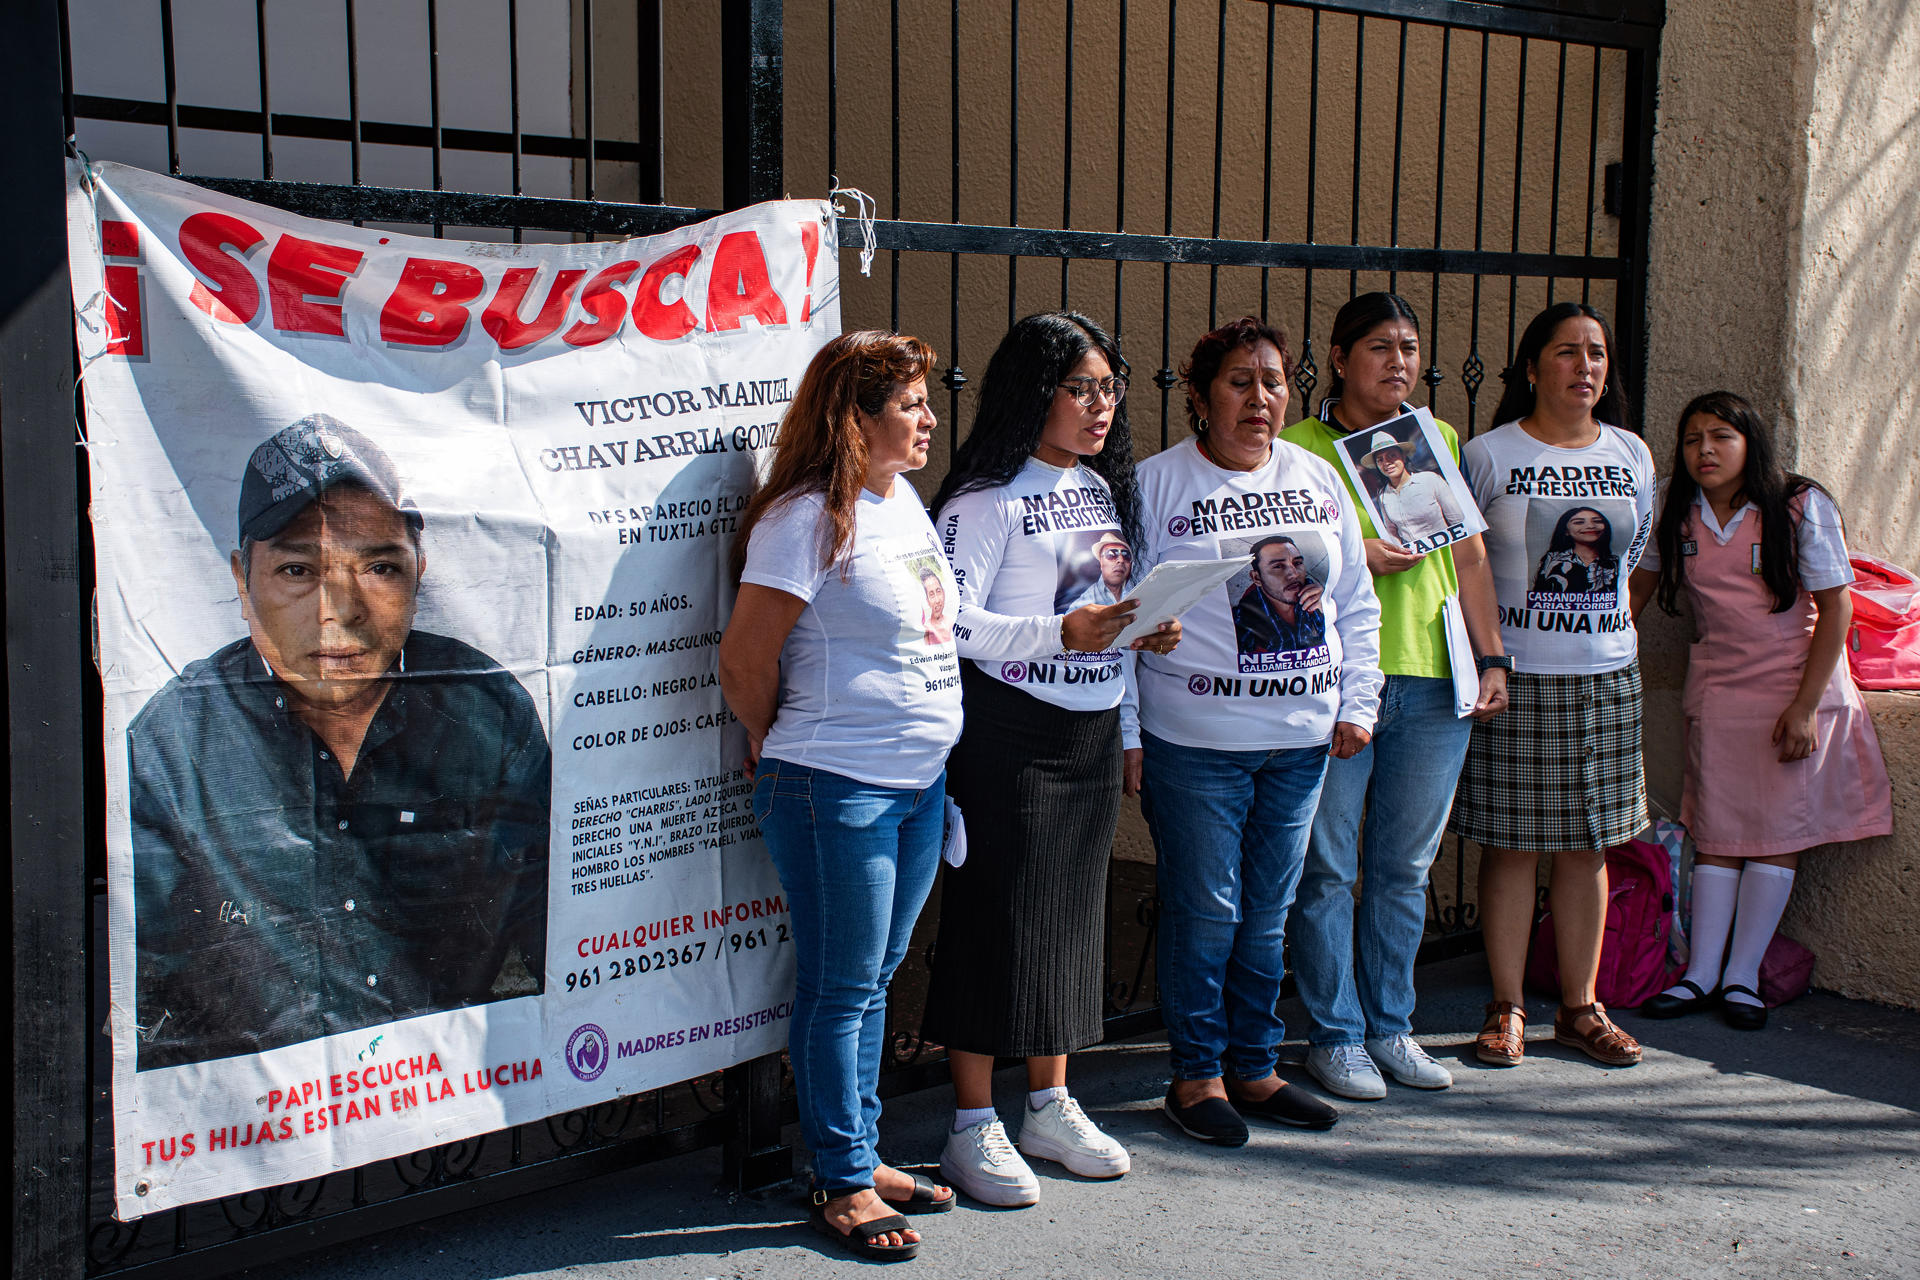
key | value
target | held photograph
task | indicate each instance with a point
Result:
(1413, 492)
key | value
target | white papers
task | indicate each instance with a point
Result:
(953, 836)
(1466, 672)
(1172, 588)
(1406, 478)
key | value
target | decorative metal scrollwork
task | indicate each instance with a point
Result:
(1472, 374)
(1306, 374)
(954, 378)
(109, 1241)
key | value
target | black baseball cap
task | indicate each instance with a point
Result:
(294, 466)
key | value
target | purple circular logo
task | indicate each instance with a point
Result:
(1198, 684)
(1178, 527)
(1330, 510)
(587, 1051)
(1013, 672)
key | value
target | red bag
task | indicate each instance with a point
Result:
(1786, 971)
(1633, 952)
(1883, 644)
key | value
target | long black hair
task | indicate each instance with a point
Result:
(1517, 400)
(1021, 380)
(1765, 483)
(1361, 315)
(1562, 539)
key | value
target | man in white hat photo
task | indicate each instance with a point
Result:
(1414, 505)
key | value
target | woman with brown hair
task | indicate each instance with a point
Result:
(851, 700)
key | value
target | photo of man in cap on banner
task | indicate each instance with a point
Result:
(338, 820)
(1413, 492)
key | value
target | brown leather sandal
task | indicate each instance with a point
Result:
(1500, 1044)
(1605, 1043)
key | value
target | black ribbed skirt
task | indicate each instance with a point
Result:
(1018, 967)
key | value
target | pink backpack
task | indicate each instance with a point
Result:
(1883, 644)
(1633, 954)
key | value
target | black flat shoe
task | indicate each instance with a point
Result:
(1743, 1017)
(1211, 1120)
(1290, 1106)
(1667, 1006)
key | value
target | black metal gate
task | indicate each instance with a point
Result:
(1157, 163)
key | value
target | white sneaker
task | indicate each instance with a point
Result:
(1346, 1069)
(1402, 1058)
(1061, 1132)
(981, 1162)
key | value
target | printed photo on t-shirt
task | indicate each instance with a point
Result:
(1278, 622)
(1406, 477)
(936, 613)
(1577, 550)
(1095, 567)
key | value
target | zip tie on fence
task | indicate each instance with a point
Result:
(863, 211)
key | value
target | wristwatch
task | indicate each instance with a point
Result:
(1492, 660)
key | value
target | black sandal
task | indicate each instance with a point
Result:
(925, 1198)
(859, 1239)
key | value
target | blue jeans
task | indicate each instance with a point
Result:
(1403, 781)
(1231, 830)
(857, 862)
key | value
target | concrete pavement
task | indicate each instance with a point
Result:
(1791, 1152)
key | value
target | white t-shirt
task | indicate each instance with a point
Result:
(1024, 554)
(1254, 672)
(1820, 539)
(1420, 508)
(1565, 528)
(869, 680)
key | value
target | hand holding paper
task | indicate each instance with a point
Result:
(1172, 588)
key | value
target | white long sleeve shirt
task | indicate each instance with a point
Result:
(1024, 555)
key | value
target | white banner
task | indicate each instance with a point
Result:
(425, 814)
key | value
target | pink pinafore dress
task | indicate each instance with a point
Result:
(1740, 801)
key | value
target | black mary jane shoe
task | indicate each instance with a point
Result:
(1668, 1006)
(860, 1240)
(1743, 1017)
(1210, 1120)
(925, 1197)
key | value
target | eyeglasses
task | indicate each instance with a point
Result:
(1084, 389)
(1116, 553)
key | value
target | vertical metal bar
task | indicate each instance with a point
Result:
(513, 124)
(266, 95)
(1304, 365)
(1593, 163)
(46, 584)
(66, 71)
(893, 256)
(954, 379)
(1399, 131)
(1559, 122)
(1266, 152)
(833, 93)
(586, 79)
(1359, 90)
(1066, 167)
(1519, 164)
(433, 97)
(753, 1157)
(172, 86)
(1433, 376)
(1013, 156)
(751, 80)
(1636, 204)
(353, 92)
(1166, 377)
(652, 124)
(1474, 369)
(1219, 147)
(1120, 175)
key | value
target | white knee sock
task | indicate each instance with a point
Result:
(1715, 890)
(1764, 890)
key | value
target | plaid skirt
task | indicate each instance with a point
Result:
(1559, 770)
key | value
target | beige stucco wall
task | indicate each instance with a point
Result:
(1786, 225)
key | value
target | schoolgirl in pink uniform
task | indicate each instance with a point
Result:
(1781, 754)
